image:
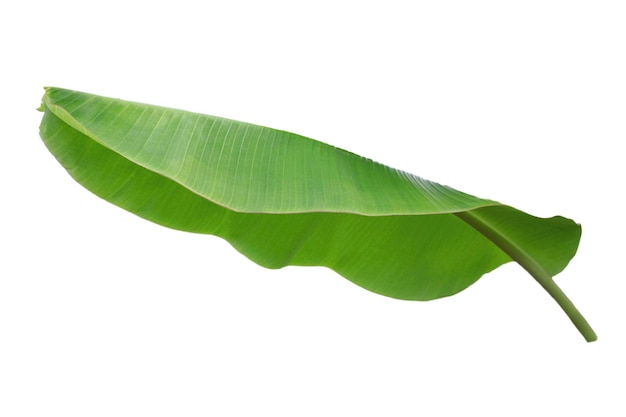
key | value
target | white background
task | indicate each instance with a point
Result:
(103, 313)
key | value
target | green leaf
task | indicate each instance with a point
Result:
(283, 199)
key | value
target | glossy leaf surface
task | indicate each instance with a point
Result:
(283, 199)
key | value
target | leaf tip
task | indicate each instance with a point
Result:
(42, 106)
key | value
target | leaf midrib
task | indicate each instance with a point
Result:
(68, 118)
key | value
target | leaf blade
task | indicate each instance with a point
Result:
(282, 199)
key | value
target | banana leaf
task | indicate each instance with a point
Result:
(282, 199)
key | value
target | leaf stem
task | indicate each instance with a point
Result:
(566, 304)
(532, 267)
